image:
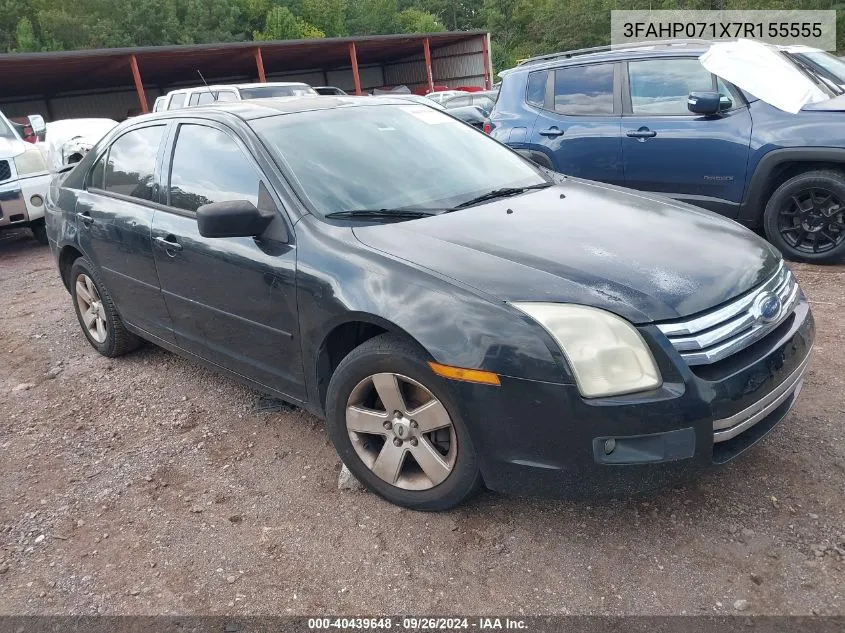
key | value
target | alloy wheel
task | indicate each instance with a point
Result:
(401, 431)
(812, 221)
(91, 309)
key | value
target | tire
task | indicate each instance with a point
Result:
(355, 378)
(113, 339)
(39, 231)
(805, 217)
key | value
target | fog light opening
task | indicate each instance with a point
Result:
(36, 200)
(609, 446)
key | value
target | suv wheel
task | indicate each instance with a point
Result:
(396, 427)
(805, 217)
(97, 315)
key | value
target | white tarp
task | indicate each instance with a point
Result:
(764, 72)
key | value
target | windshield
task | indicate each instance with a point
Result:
(6, 130)
(390, 157)
(268, 92)
(828, 62)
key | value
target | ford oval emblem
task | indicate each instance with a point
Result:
(767, 307)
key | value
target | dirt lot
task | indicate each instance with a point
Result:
(148, 485)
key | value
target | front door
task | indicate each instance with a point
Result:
(232, 300)
(668, 149)
(579, 121)
(114, 218)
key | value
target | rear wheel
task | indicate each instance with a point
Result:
(97, 315)
(805, 217)
(395, 426)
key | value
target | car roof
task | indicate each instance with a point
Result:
(250, 109)
(247, 85)
(666, 48)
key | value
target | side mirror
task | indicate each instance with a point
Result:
(232, 218)
(707, 103)
(39, 128)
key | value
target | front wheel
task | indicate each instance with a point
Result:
(805, 217)
(396, 427)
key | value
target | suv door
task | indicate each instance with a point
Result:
(670, 150)
(579, 119)
(114, 215)
(232, 300)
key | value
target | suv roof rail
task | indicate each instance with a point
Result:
(611, 47)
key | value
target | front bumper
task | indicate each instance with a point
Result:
(545, 439)
(16, 206)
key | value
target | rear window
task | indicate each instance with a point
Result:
(584, 90)
(268, 92)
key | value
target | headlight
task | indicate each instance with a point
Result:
(606, 353)
(30, 162)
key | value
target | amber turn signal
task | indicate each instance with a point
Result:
(467, 375)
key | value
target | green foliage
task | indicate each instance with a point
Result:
(520, 28)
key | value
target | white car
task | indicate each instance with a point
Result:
(68, 140)
(24, 179)
(203, 95)
(440, 96)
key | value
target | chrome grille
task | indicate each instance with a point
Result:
(5, 170)
(714, 335)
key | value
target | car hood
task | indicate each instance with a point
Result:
(642, 257)
(9, 148)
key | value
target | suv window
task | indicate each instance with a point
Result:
(205, 97)
(131, 161)
(208, 166)
(192, 101)
(535, 94)
(457, 102)
(584, 89)
(227, 95)
(661, 86)
(176, 101)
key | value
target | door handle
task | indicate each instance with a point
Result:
(551, 132)
(85, 218)
(168, 244)
(642, 133)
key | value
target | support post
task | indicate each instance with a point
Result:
(353, 58)
(139, 86)
(259, 64)
(428, 74)
(485, 56)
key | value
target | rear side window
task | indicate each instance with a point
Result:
(130, 167)
(584, 89)
(176, 101)
(661, 86)
(193, 99)
(208, 166)
(536, 92)
(205, 98)
(226, 95)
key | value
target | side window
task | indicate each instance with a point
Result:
(226, 95)
(95, 176)
(535, 94)
(661, 86)
(194, 99)
(584, 89)
(177, 101)
(204, 98)
(208, 166)
(130, 168)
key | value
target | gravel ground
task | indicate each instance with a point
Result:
(148, 485)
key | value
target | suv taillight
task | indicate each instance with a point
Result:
(487, 127)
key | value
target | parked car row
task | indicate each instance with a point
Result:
(458, 314)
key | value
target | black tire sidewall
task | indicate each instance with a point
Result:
(822, 180)
(39, 231)
(402, 359)
(107, 347)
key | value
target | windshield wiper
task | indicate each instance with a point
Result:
(380, 214)
(505, 192)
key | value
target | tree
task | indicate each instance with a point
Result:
(25, 36)
(416, 21)
(282, 24)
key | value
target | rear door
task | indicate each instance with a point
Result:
(114, 217)
(579, 119)
(232, 300)
(668, 149)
